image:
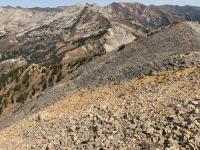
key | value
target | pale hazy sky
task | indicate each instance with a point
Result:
(53, 3)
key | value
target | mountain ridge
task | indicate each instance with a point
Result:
(48, 55)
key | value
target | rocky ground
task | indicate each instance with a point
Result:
(160, 111)
(81, 80)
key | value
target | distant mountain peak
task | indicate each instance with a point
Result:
(8, 7)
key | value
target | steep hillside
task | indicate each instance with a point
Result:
(21, 20)
(189, 13)
(92, 75)
(142, 57)
(151, 17)
(136, 13)
(76, 36)
(159, 111)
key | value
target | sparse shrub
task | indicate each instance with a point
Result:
(17, 87)
(27, 84)
(15, 75)
(1, 98)
(44, 86)
(50, 81)
(25, 78)
(5, 102)
(22, 98)
(12, 100)
(1, 109)
(44, 70)
(3, 79)
(59, 77)
(33, 90)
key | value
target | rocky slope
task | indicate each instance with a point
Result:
(157, 111)
(76, 54)
(143, 57)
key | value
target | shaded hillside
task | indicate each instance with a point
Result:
(151, 17)
(136, 13)
(189, 13)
